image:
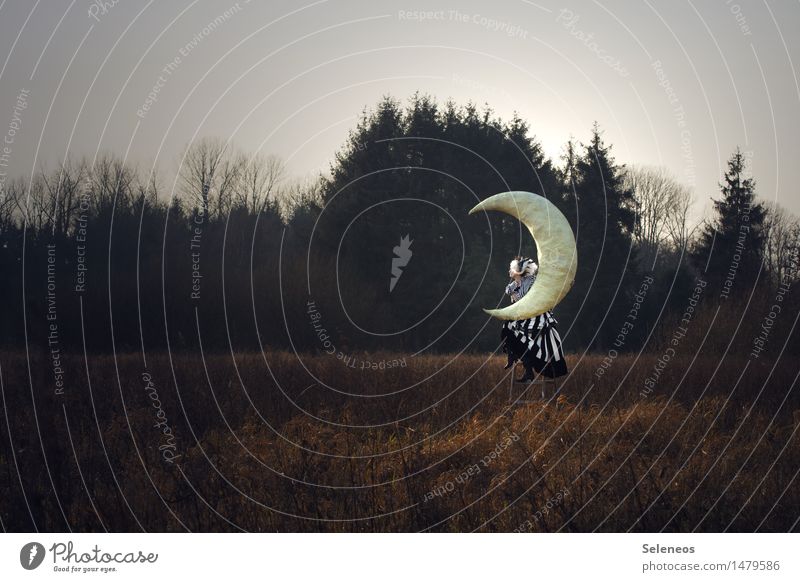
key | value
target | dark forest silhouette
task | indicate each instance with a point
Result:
(221, 436)
(230, 252)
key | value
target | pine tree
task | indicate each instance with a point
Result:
(567, 176)
(731, 246)
(594, 188)
(418, 169)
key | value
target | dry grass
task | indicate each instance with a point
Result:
(265, 446)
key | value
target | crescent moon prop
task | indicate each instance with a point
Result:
(555, 247)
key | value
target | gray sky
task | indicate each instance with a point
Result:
(672, 83)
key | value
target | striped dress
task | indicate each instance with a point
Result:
(534, 341)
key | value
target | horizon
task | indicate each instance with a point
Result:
(679, 98)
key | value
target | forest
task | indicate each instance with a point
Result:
(237, 349)
(119, 259)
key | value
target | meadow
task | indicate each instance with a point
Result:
(391, 442)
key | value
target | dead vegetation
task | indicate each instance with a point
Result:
(261, 443)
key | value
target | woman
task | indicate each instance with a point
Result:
(535, 341)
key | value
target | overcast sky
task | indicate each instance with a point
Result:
(671, 83)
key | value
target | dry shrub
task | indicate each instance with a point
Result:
(435, 445)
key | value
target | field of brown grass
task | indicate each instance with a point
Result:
(274, 442)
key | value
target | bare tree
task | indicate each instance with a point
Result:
(229, 178)
(792, 265)
(147, 191)
(32, 206)
(111, 183)
(677, 219)
(300, 193)
(662, 207)
(9, 193)
(260, 178)
(782, 243)
(208, 175)
(62, 189)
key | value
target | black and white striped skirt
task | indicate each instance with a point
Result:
(536, 343)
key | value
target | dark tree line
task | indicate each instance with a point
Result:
(234, 255)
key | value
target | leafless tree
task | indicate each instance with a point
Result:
(147, 189)
(678, 227)
(62, 190)
(208, 175)
(782, 243)
(299, 193)
(228, 183)
(260, 178)
(111, 183)
(32, 207)
(9, 192)
(662, 208)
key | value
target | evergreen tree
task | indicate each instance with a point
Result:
(567, 176)
(600, 206)
(421, 168)
(730, 248)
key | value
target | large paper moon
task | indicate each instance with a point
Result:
(555, 246)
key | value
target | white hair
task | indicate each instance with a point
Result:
(525, 266)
